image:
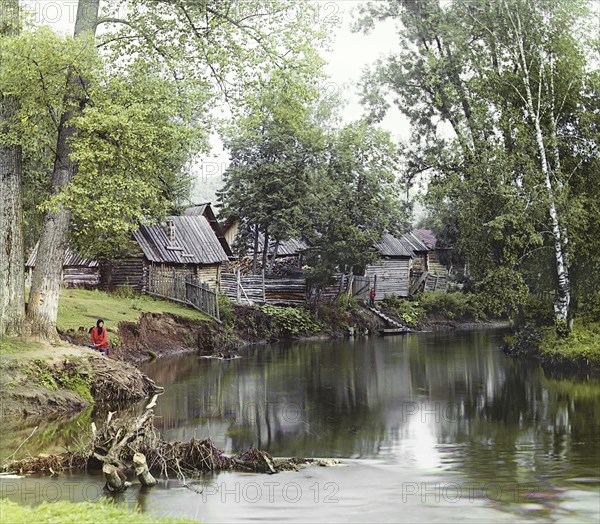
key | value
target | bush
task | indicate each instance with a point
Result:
(453, 306)
(226, 310)
(539, 311)
(291, 321)
(411, 312)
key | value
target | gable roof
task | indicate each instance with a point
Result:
(195, 242)
(427, 236)
(413, 243)
(71, 259)
(390, 246)
(207, 212)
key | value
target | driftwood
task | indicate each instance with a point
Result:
(116, 480)
(123, 443)
(142, 472)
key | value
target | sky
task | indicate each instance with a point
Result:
(350, 53)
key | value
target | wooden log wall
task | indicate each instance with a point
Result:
(392, 276)
(129, 272)
(434, 265)
(256, 289)
(74, 276)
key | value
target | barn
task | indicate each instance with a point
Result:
(436, 255)
(390, 274)
(78, 271)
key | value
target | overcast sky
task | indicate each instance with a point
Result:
(349, 55)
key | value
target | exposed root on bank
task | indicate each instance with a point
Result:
(119, 441)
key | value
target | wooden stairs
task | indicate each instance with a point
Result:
(395, 326)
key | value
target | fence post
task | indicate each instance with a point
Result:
(238, 285)
(264, 292)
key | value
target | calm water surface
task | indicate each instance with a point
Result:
(428, 428)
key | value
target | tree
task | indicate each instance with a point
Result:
(274, 152)
(12, 278)
(356, 200)
(42, 309)
(508, 79)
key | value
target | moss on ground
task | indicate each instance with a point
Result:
(581, 347)
(78, 513)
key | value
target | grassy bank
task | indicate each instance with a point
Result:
(580, 348)
(78, 513)
(80, 307)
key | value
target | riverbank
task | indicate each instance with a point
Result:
(38, 378)
(579, 351)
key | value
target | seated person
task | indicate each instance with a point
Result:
(100, 338)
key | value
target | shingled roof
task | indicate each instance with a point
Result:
(427, 237)
(195, 242)
(291, 247)
(205, 209)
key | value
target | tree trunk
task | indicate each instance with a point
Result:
(12, 263)
(563, 295)
(275, 250)
(46, 281)
(265, 249)
(142, 472)
(255, 252)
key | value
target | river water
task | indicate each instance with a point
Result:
(427, 427)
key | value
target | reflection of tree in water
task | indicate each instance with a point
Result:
(500, 418)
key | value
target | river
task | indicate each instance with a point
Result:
(428, 427)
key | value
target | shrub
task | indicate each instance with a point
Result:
(291, 321)
(453, 306)
(411, 312)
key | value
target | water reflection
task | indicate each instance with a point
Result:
(446, 401)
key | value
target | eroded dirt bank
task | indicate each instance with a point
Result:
(66, 379)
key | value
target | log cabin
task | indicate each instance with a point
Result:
(78, 271)
(182, 245)
(390, 274)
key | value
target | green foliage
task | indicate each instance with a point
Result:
(356, 200)
(411, 312)
(79, 513)
(518, 83)
(226, 310)
(291, 322)
(581, 346)
(454, 306)
(69, 377)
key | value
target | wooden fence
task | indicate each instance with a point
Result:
(184, 289)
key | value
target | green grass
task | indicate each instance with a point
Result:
(581, 346)
(80, 307)
(14, 345)
(78, 513)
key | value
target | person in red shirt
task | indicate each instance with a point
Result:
(372, 295)
(99, 337)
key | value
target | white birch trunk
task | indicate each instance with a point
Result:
(563, 295)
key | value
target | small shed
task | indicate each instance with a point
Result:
(78, 271)
(436, 254)
(390, 274)
(183, 245)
